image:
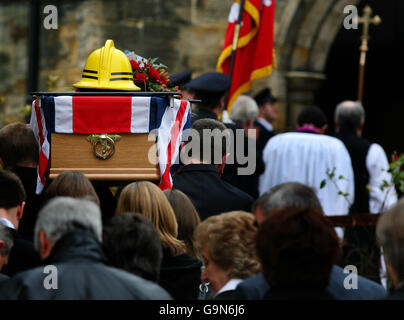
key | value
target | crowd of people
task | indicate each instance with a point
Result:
(217, 234)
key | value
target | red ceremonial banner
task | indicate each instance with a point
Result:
(254, 56)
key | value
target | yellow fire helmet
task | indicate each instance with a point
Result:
(107, 68)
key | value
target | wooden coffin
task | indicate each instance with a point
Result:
(92, 156)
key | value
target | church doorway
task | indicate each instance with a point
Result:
(383, 97)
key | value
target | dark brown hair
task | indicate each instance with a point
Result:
(187, 218)
(12, 191)
(18, 145)
(132, 243)
(297, 248)
(71, 184)
(211, 134)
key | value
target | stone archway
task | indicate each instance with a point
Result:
(304, 33)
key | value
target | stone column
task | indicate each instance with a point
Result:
(301, 89)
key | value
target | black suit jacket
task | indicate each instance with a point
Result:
(180, 275)
(227, 295)
(82, 274)
(263, 136)
(246, 183)
(208, 192)
(33, 203)
(3, 277)
(22, 256)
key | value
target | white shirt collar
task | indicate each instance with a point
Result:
(267, 125)
(6, 223)
(230, 285)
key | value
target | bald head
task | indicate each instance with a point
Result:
(350, 114)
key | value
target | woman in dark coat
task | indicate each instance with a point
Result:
(180, 273)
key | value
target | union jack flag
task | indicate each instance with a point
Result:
(111, 114)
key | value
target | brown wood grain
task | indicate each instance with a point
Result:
(129, 162)
(352, 220)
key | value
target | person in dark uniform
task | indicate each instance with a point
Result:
(181, 80)
(268, 113)
(211, 89)
(200, 178)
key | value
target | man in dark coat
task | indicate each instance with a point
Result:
(268, 113)
(370, 165)
(243, 113)
(200, 178)
(12, 203)
(298, 195)
(211, 89)
(19, 154)
(68, 234)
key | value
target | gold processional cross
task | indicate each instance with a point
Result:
(366, 20)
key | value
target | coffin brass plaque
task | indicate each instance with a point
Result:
(103, 144)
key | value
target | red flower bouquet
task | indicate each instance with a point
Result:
(149, 74)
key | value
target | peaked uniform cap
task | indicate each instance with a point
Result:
(211, 82)
(180, 79)
(265, 96)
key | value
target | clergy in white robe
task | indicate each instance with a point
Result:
(306, 157)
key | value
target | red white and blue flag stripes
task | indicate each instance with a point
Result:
(111, 114)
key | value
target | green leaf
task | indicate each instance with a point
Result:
(323, 183)
(340, 177)
(331, 174)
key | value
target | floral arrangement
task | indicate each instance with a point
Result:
(396, 168)
(150, 74)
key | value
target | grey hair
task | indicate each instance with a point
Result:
(244, 109)
(390, 232)
(289, 194)
(7, 238)
(349, 114)
(62, 215)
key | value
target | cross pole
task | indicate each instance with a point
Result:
(366, 20)
(236, 36)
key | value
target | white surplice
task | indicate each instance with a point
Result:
(377, 165)
(305, 158)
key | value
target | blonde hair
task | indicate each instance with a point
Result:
(229, 240)
(146, 198)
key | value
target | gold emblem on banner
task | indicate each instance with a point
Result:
(103, 144)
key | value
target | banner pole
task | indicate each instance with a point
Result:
(234, 45)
